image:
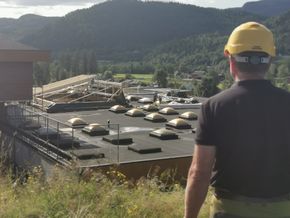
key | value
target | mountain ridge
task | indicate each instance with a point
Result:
(267, 7)
(130, 25)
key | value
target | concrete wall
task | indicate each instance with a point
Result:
(25, 157)
(17, 153)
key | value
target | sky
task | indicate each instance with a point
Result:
(17, 8)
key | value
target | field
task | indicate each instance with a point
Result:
(146, 78)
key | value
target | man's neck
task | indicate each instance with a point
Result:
(241, 77)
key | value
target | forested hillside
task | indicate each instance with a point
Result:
(267, 7)
(25, 25)
(128, 28)
(281, 28)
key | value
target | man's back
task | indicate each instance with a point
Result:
(250, 126)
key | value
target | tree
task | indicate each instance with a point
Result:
(41, 73)
(92, 65)
(282, 77)
(208, 85)
(107, 75)
(160, 76)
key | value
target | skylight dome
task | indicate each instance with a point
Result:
(164, 134)
(77, 122)
(95, 129)
(189, 115)
(155, 117)
(135, 113)
(168, 111)
(178, 124)
(150, 107)
(118, 109)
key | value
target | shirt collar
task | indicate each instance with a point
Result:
(254, 83)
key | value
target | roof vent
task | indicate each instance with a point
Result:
(164, 134)
(178, 124)
(168, 111)
(155, 117)
(135, 113)
(189, 116)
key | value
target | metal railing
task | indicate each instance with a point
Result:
(19, 115)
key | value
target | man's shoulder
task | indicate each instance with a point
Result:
(235, 92)
(224, 96)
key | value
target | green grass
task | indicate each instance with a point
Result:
(146, 78)
(65, 195)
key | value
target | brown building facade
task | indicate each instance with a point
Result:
(16, 68)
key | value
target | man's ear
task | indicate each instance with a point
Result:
(233, 68)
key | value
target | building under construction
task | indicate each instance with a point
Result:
(82, 92)
(88, 123)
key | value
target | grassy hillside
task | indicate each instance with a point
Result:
(66, 196)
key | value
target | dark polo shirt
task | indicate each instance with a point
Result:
(249, 124)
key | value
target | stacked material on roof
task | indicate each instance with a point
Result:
(155, 117)
(168, 111)
(150, 107)
(164, 134)
(148, 149)
(135, 113)
(118, 139)
(65, 142)
(189, 115)
(133, 98)
(30, 125)
(95, 129)
(177, 105)
(58, 85)
(46, 133)
(178, 123)
(77, 122)
(145, 101)
(87, 154)
(118, 109)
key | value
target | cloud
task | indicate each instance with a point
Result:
(50, 2)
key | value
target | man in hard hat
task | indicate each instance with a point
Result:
(243, 136)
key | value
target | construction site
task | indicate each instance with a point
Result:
(95, 124)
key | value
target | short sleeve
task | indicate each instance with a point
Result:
(205, 126)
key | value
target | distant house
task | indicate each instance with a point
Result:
(199, 74)
(16, 68)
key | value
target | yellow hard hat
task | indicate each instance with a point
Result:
(250, 36)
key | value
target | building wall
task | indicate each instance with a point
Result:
(16, 81)
(175, 168)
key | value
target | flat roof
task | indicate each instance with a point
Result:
(135, 127)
